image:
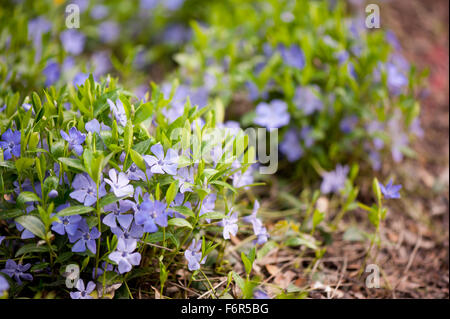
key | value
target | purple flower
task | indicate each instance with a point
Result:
(342, 56)
(10, 144)
(351, 70)
(68, 224)
(293, 56)
(178, 201)
(134, 173)
(374, 158)
(108, 31)
(241, 179)
(72, 41)
(185, 177)
(176, 34)
(79, 79)
(148, 4)
(307, 136)
(229, 225)
(260, 294)
(396, 80)
(37, 27)
(17, 271)
(132, 232)
(52, 72)
(119, 184)
(335, 180)
(83, 293)
(53, 193)
(2, 238)
(306, 99)
(119, 112)
(290, 146)
(173, 4)
(151, 213)
(4, 286)
(124, 255)
(75, 139)
(194, 255)
(258, 227)
(99, 12)
(86, 190)
(117, 214)
(102, 269)
(101, 63)
(162, 164)
(415, 128)
(348, 124)
(84, 237)
(273, 115)
(390, 191)
(208, 205)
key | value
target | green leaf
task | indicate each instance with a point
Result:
(239, 281)
(74, 210)
(171, 192)
(128, 137)
(180, 222)
(213, 215)
(297, 241)
(184, 211)
(138, 160)
(33, 224)
(73, 163)
(108, 199)
(23, 163)
(31, 248)
(26, 197)
(12, 213)
(143, 112)
(247, 263)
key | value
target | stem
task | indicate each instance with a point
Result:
(98, 240)
(209, 283)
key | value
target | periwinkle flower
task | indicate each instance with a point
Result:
(52, 73)
(258, 228)
(17, 271)
(306, 134)
(290, 146)
(396, 80)
(102, 269)
(416, 128)
(242, 179)
(108, 31)
(100, 63)
(99, 12)
(390, 190)
(335, 180)
(148, 4)
(4, 286)
(37, 27)
(176, 34)
(10, 144)
(178, 201)
(307, 99)
(119, 112)
(229, 225)
(342, 56)
(84, 237)
(86, 190)
(117, 215)
(83, 293)
(75, 138)
(124, 256)
(172, 4)
(146, 214)
(185, 177)
(94, 126)
(194, 255)
(260, 294)
(160, 163)
(120, 184)
(273, 115)
(79, 79)
(293, 56)
(348, 123)
(2, 238)
(208, 204)
(134, 173)
(68, 224)
(73, 41)
(132, 232)
(53, 193)
(351, 70)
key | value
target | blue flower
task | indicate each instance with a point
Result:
(108, 31)
(178, 201)
(273, 115)
(390, 191)
(67, 224)
(335, 180)
(99, 12)
(52, 72)
(120, 184)
(83, 293)
(2, 238)
(348, 123)
(117, 214)
(162, 164)
(84, 237)
(290, 146)
(229, 225)
(132, 232)
(119, 112)
(79, 79)
(396, 80)
(134, 173)
(16, 271)
(150, 213)
(307, 99)
(86, 190)
(185, 177)
(258, 228)
(4, 286)
(72, 41)
(260, 294)
(194, 255)
(10, 144)
(293, 56)
(75, 138)
(124, 256)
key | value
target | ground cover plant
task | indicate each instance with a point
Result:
(137, 150)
